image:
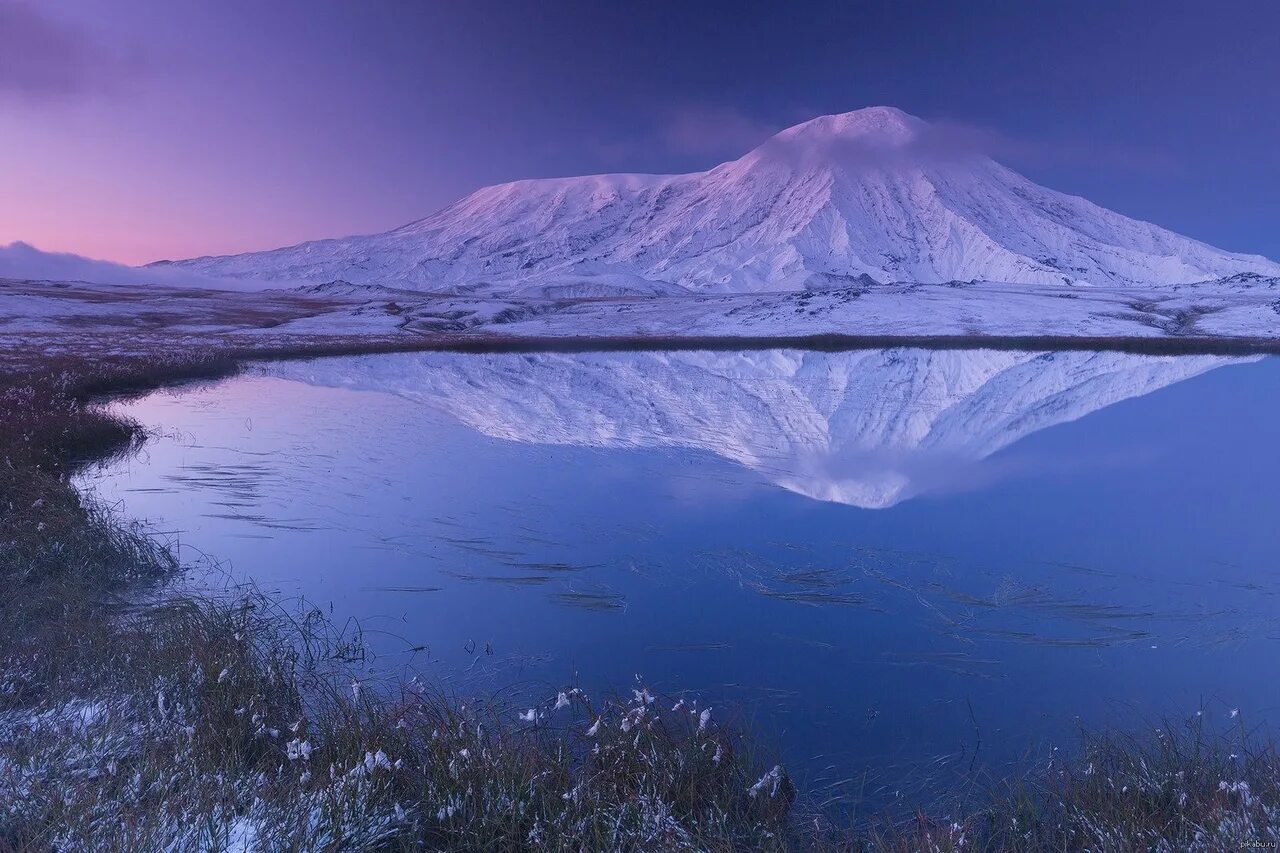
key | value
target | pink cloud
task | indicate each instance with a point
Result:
(713, 131)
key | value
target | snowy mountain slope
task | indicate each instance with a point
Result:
(867, 428)
(875, 193)
(23, 262)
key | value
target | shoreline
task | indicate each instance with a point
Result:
(493, 343)
(231, 352)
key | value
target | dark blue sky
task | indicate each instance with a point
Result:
(135, 130)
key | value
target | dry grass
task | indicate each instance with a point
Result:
(1190, 785)
(210, 719)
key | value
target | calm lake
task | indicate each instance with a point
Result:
(886, 561)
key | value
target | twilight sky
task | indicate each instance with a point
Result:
(142, 129)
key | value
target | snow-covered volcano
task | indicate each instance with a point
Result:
(872, 193)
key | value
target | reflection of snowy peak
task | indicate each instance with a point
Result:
(867, 428)
(874, 192)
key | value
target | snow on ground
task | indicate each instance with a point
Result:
(961, 310)
(63, 315)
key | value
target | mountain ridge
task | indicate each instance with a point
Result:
(873, 193)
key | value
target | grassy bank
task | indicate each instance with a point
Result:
(134, 715)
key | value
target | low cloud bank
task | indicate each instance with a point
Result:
(24, 261)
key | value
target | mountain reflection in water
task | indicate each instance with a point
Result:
(865, 428)
(531, 520)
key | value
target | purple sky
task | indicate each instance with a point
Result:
(135, 130)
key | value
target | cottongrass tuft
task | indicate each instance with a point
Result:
(206, 760)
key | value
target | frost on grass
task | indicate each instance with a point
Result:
(193, 772)
(137, 715)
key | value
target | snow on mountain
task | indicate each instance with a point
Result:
(23, 262)
(867, 428)
(873, 193)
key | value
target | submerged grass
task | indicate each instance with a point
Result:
(137, 715)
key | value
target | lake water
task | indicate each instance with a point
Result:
(884, 560)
